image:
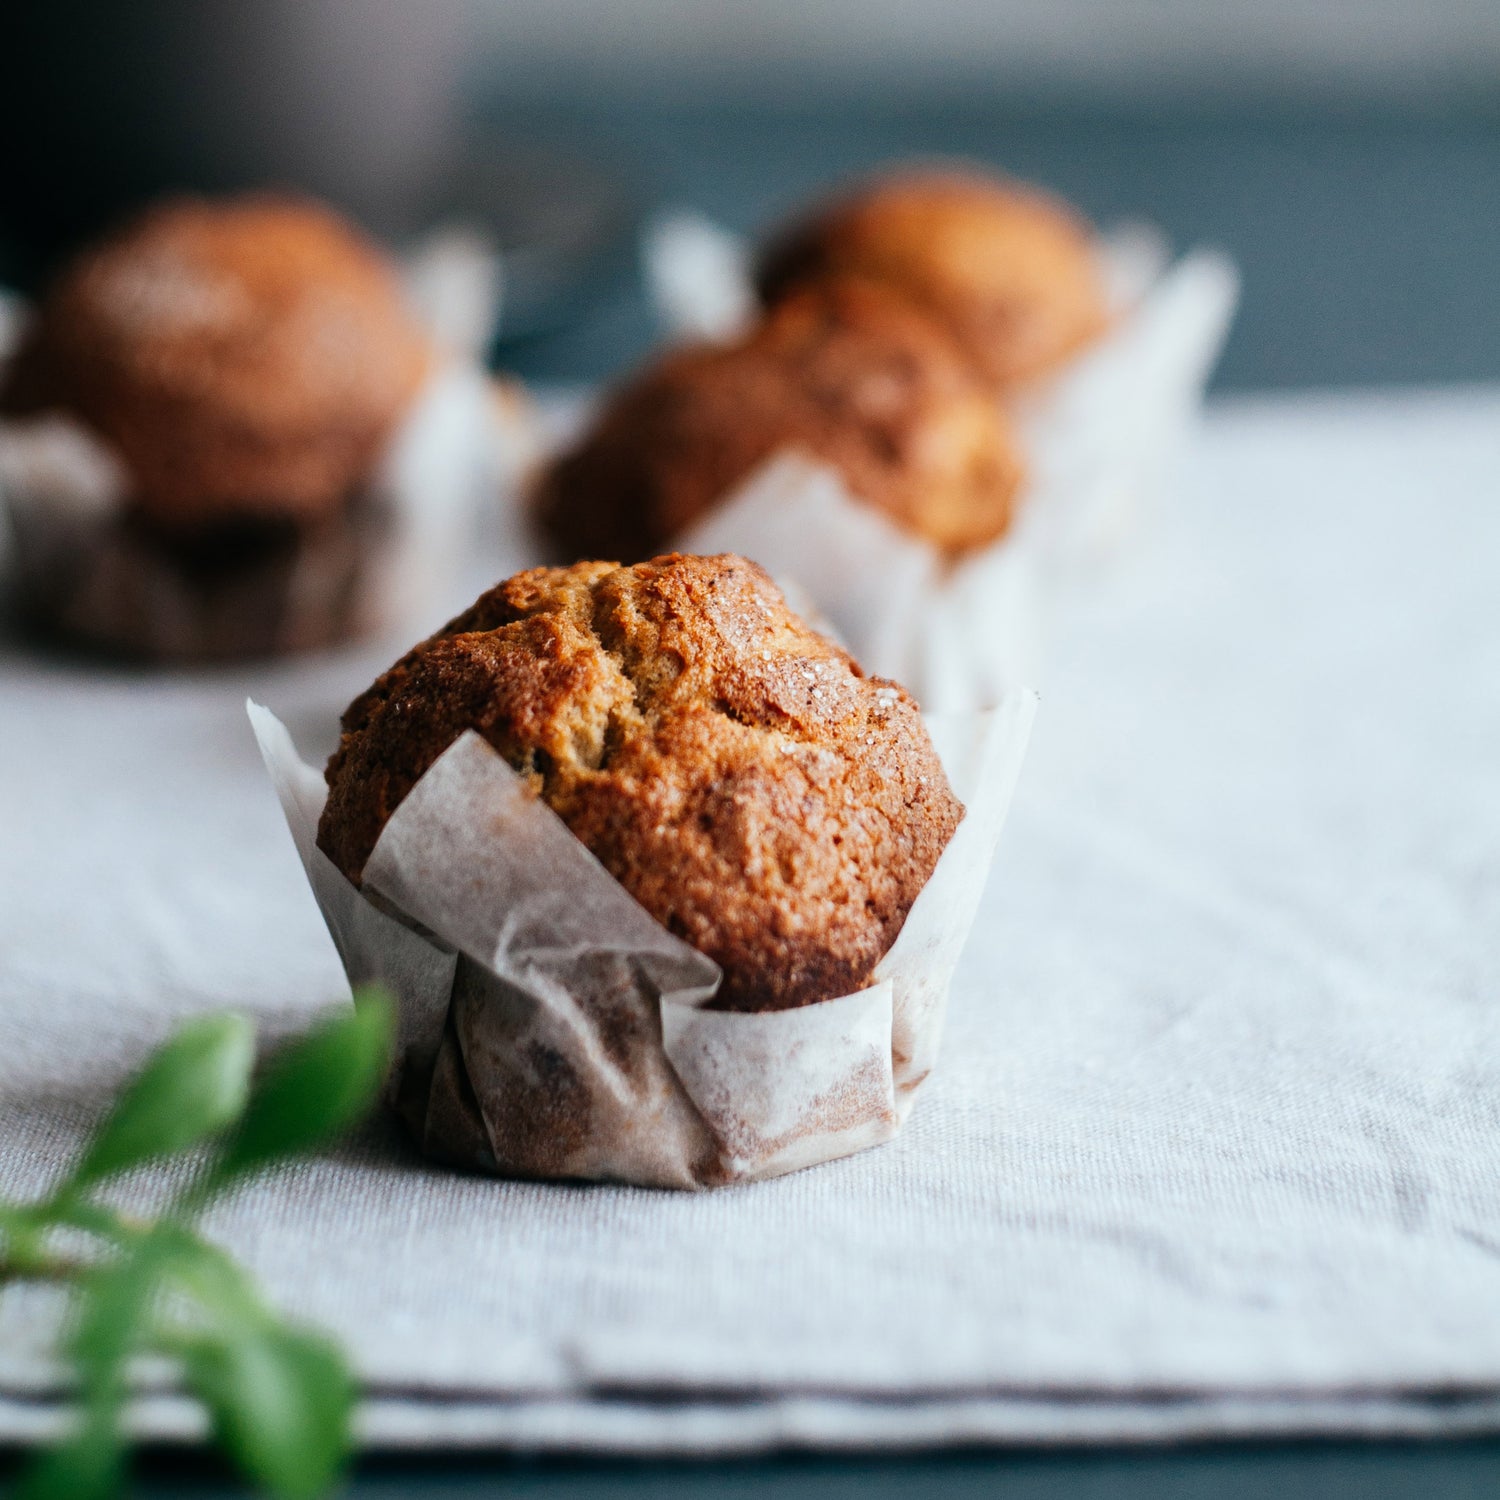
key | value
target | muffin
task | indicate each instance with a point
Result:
(244, 364)
(729, 766)
(844, 371)
(1010, 272)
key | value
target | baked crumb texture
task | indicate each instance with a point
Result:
(246, 358)
(734, 770)
(1012, 273)
(843, 371)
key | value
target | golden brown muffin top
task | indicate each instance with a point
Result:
(844, 372)
(246, 356)
(733, 769)
(1010, 271)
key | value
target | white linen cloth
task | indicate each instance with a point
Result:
(1213, 1145)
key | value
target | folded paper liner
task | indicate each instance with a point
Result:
(957, 635)
(550, 1027)
(1099, 438)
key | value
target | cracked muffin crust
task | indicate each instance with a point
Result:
(733, 769)
(844, 372)
(246, 358)
(1009, 271)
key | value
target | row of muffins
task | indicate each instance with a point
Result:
(742, 778)
(739, 774)
(898, 325)
(244, 365)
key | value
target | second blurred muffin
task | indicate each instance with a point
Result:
(843, 371)
(243, 365)
(1011, 272)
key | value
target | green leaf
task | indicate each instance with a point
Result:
(114, 1311)
(210, 1276)
(281, 1402)
(191, 1088)
(89, 1466)
(18, 1218)
(281, 1399)
(22, 1230)
(317, 1088)
(104, 1223)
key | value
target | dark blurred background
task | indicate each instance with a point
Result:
(1346, 151)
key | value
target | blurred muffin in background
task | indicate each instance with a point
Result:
(1012, 273)
(235, 371)
(842, 371)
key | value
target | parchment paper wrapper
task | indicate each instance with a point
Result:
(1099, 439)
(84, 566)
(958, 635)
(551, 1028)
